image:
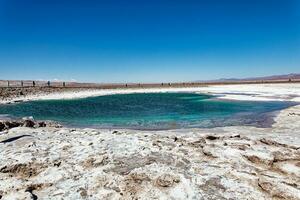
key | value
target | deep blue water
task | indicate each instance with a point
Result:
(148, 111)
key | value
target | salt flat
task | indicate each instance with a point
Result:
(235, 162)
(285, 91)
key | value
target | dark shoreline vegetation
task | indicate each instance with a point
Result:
(149, 111)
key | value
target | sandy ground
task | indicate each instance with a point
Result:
(220, 163)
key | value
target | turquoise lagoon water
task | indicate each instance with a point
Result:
(148, 111)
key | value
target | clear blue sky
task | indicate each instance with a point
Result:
(148, 41)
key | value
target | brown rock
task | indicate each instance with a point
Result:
(29, 123)
(211, 137)
(93, 162)
(198, 143)
(2, 126)
(42, 124)
(277, 144)
(138, 177)
(38, 186)
(25, 170)
(166, 180)
(258, 160)
(277, 190)
(213, 189)
(83, 192)
(11, 124)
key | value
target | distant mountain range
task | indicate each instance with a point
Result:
(266, 78)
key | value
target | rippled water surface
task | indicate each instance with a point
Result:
(148, 111)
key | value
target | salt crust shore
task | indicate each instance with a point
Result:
(220, 163)
(255, 92)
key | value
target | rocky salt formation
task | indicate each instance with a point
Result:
(219, 163)
(6, 124)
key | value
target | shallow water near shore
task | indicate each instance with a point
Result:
(149, 111)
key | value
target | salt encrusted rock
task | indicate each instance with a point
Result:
(138, 177)
(199, 143)
(27, 122)
(260, 158)
(83, 193)
(25, 170)
(208, 151)
(95, 162)
(48, 123)
(213, 188)
(166, 180)
(278, 190)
